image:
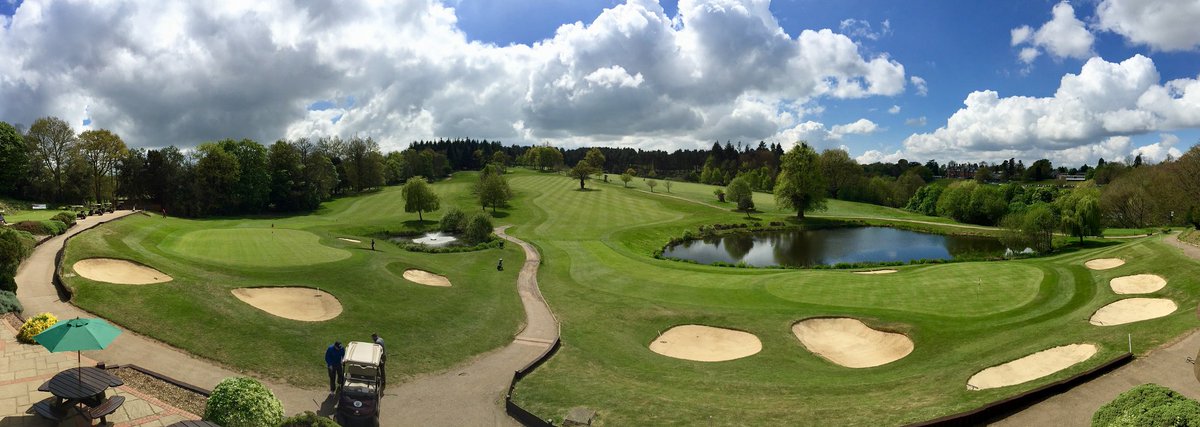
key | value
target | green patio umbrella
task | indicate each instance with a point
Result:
(78, 335)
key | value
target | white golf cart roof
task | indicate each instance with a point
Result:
(363, 353)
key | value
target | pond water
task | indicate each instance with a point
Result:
(831, 246)
(435, 239)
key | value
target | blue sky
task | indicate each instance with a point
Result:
(888, 80)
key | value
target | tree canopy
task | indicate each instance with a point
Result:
(800, 185)
(419, 198)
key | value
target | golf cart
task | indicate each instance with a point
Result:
(358, 400)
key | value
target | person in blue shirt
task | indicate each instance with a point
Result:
(333, 362)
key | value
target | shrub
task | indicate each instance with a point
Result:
(42, 228)
(453, 221)
(35, 325)
(9, 303)
(243, 402)
(479, 228)
(14, 247)
(65, 218)
(1149, 405)
(308, 419)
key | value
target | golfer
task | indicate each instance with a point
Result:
(382, 357)
(333, 362)
(500, 265)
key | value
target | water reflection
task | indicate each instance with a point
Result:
(831, 246)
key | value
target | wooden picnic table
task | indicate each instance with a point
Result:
(80, 385)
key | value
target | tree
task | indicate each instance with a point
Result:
(479, 228)
(1081, 212)
(667, 185)
(492, 188)
(501, 159)
(582, 171)
(453, 221)
(1039, 170)
(101, 150)
(51, 144)
(14, 159)
(628, 176)
(720, 195)
(983, 175)
(418, 197)
(740, 193)
(595, 159)
(800, 185)
(652, 183)
(287, 176)
(217, 177)
(132, 180)
(839, 170)
(1032, 229)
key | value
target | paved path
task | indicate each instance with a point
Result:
(1166, 366)
(473, 394)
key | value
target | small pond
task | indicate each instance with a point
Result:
(432, 239)
(831, 246)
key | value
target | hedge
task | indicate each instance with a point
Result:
(47, 227)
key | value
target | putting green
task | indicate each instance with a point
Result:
(255, 247)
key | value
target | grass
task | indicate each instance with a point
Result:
(436, 327)
(613, 300)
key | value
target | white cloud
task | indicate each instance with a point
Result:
(861, 28)
(876, 156)
(1167, 25)
(916, 121)
(1103, 101)
(894, 110)
(820, 136)
(858, 127)
(179, 73)
(920, 85)
(1158, 151)
(1064, 36)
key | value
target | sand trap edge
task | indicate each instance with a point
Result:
(135, 265)
(1022, 380)
(422, 277)
(883, 271)
(906, 347)
(1103, 263)
(281, 311)
(706, 355)
(1093, 321)
(1135, 284)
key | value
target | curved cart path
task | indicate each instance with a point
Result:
(471, 394)
(1166, 366)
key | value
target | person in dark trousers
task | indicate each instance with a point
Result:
(333, 362)
(382, 358)
(372, 244)
(500, 265)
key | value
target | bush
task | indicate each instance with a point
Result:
(479, 228)
(1149, 405)
(453, 221)
(42, 228)
(35, 325)
(308, 419)
(243, 402)
(14, 247)
(65, 218)
(9, 303)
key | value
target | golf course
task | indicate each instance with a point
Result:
(935, 326)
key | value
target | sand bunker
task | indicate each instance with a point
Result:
(851, 343)
(1104, 263)
(349, 240)
(426, 278)
(875, 272)
(119, 271)
(1031, 367)
(1138, 284)
(705, 343)
(304, 304)
(1131, 310)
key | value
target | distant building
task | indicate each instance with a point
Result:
(1073, 177)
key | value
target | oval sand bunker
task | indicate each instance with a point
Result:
(426, 278)
(1104, 263)
(1138, 284)
(304, 304)
(1031, 367)
(851, 343)
(1131, 310)
(888, 271)
(118, 271)
(705, 343)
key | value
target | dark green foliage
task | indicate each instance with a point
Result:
(65, 218)
(14, 247)
(41, 228)
(739, 192)
(243, 402)
(453, 221)
(14, 159)
(1033, 228)
(925, 200)
(1148, 405)
(800, 185)
(419, 198)
(9, 302)
(479, 228)
(971, 202)
(308, 419)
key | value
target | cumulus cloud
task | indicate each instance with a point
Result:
(1167, 25)
(919, 83)
(861, 29)
(1064, 36)
(916, 121)
(894, 110)
(818, 135)
(876, 156)
(1159, 151)
(164, 73)
(1104, 100)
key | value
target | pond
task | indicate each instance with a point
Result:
(831, 246)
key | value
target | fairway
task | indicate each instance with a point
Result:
(255, 247)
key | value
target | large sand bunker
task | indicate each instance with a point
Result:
(888, 271)
(349, 240)
(426, 278)
(1138, 284)
(851, 343)
(304, 304)
(1104, 263)
(119, 271)
(1131, 310)
(1031, 367)
(705, 343)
